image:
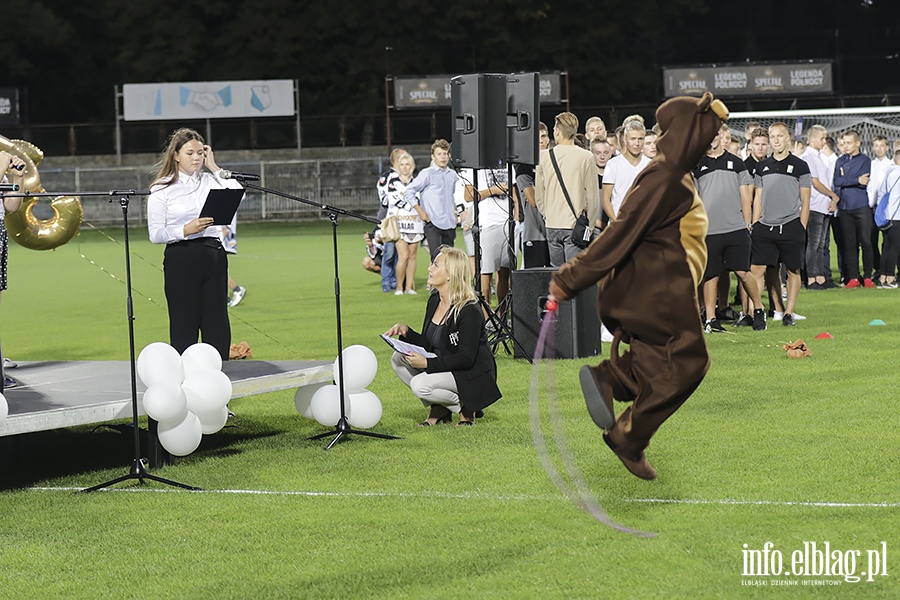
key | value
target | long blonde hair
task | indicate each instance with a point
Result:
(166, 169)
(459, 269)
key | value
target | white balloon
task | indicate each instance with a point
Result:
(213, 421)
(326, 407)
(365, 409)
(360, 367)
(207, 390)
(303, 399)
(165, 402)
(4, 408)
(158, 363)
(199, 357)
(180, 439)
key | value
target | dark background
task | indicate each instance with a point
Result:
(67, 57)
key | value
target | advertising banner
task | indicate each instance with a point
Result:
(750, 80)
(9, 106)
(208, 100)
(433, 91)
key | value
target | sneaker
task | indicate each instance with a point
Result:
(777, 316)
(713, 326)
(829, 285)
(605, 335)
(815, 285)
(853, 283)
(9, 382)
(398, 292)
(798, 317)
(759, 320)
(411, 292)
(11, 364)
(598, 398)
(727, 314)
(747, 320)
(867, 282)
(237, 295)
(884, 285)
(788, 320)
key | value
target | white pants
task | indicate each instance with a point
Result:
(430, 388)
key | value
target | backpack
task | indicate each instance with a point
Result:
(882, 220)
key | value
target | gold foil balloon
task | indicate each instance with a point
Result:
(25, 228)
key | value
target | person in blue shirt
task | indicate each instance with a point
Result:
(435, 204)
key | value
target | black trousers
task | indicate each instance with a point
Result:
(438, 237)
(196, 283)
(856, 226)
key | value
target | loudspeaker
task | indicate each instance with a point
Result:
(577, 324)
(478, 103)
(522, 118)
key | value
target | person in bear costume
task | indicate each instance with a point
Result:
(648, 264)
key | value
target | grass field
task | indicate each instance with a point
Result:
(768, 450)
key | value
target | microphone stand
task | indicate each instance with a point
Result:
(502, 331)
(138, 467)
(342, 427)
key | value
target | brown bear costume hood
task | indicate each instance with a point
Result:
(688, 125)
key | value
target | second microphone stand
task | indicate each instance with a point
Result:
(342, 427)
(138, 467)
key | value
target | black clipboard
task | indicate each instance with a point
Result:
(222, 204)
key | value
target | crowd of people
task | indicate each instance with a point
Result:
(773, 202)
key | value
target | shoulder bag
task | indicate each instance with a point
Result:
(581, 232)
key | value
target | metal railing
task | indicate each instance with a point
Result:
(346, 183)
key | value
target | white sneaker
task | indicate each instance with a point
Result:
(9, 364)
(412, 292)
(605, 335)
(799, 317)
(778, 316)
(398, 293)
(238, 295)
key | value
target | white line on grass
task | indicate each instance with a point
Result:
(477, 496)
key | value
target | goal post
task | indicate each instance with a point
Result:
(870, 122)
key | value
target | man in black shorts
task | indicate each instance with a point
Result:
(726, 189)
(780, 214)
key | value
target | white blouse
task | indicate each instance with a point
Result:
(172, 207)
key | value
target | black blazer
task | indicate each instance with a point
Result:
(464, 352)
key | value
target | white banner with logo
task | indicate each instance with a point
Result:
(208, 100)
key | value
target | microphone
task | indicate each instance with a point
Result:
(238, 175)
(9, 187)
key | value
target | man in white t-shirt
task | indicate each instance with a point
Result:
(493, 223)
(881, 162)
(622, 170)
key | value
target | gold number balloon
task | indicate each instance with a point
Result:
(26, 229)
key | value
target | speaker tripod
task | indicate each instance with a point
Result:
(499, 331)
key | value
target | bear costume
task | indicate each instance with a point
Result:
(648, 264)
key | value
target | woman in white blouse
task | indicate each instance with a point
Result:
(195, 264)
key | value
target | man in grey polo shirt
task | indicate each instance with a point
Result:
(780, 214)
(435, 204)
(726, 189)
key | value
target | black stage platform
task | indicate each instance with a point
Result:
(52, 395)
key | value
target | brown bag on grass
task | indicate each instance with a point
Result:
(241, 350)
(797, 349)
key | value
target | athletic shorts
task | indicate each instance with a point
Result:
(779, 244)
(494, 248)
(727, 252)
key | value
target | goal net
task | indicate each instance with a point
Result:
(869, 122)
